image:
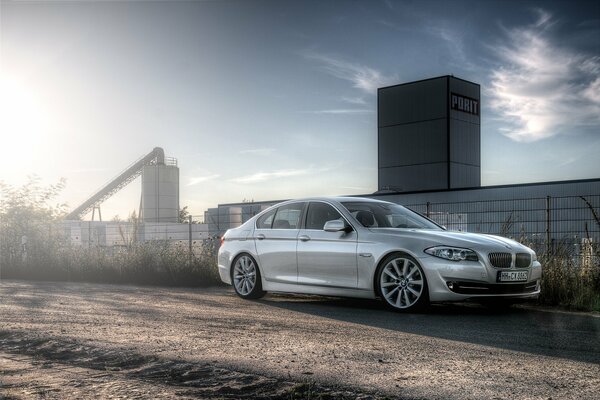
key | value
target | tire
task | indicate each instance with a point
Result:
(245, 277)
(401, 283)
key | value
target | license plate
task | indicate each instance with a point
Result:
(512, 276)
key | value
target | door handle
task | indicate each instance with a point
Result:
(304, 238)
(260, 236)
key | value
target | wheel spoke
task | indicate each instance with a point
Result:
(398, 299)
(388, 284)
(406, 298)
(419, 282)
(405, 269)
(412, 271)
(387, 272)
(396, 268)
(413, 291)
(389, 294)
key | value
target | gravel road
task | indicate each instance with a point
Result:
(72, 340)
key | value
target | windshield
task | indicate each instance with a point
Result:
(387, 215)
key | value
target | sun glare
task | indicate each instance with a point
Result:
(22, 126)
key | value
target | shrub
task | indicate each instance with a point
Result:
(570, 282)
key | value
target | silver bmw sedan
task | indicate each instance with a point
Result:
(358, 247)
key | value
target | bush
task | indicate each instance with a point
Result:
(150, 263)
(571, 282)
(25, 212)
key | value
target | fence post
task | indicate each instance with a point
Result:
(190, 240)
(428, 210)
(548, 235)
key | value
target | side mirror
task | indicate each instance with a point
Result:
(335, 226)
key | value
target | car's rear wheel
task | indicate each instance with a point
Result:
(402, 284)
(245, 276)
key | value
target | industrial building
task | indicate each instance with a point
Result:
(158, 217)
(428, 135)
(429, 159)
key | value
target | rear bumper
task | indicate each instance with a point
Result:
(224, 261)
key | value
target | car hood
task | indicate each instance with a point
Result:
(475, 241)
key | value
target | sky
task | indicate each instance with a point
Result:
(262, 100)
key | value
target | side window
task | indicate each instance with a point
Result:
(265, 220)
(318, 214)
(288, 216)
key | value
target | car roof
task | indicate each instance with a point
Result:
(339, 199)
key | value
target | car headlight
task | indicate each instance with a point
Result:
(452, 253)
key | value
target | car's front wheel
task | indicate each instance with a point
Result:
(245, 276)
(401, 283)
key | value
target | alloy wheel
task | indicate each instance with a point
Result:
(402, 283)
(244, 275)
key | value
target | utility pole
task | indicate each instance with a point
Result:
(190, 240)
(548, 229)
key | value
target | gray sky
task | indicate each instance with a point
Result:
(277, 99)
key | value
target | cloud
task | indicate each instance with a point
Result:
(362, 77)
(354, 100)
(86, 170)
(542, 89)
(454, 40)
(342, 111)
(356, 188)
(285, 173)
(264, 176)
(199, 179)
(258, 152)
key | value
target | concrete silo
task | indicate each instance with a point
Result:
(160, 192)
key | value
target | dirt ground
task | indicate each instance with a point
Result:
(67, 340)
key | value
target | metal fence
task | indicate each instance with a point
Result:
(546, 224)
(570, 224)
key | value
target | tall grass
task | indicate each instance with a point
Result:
(570, 282)
(151, 263)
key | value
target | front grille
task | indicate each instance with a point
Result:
(487, 288)
(500, 260)
(523, 260)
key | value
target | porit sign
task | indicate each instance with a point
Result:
(464, 104)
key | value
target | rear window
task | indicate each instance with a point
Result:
(265, 220)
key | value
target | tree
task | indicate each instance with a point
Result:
(184, 215)
(26, 216)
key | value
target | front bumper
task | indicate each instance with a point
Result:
(456, 281)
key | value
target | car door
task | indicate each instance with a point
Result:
(275, 237)
(326, 258)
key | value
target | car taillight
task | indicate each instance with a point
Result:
(222, 240)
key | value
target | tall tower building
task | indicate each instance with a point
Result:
(429, 135)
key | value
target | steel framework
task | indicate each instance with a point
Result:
(156, 156)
